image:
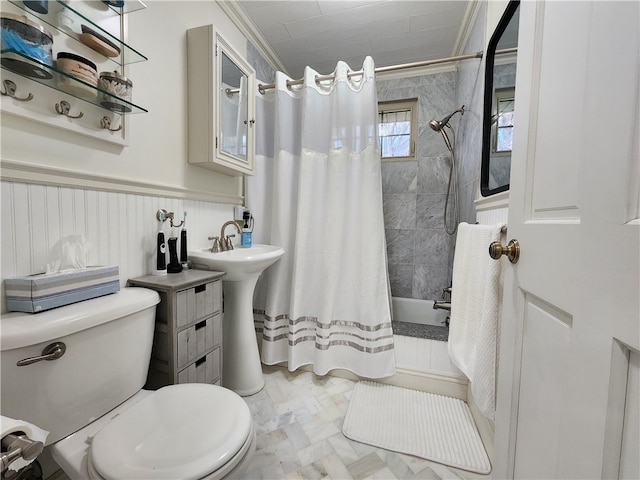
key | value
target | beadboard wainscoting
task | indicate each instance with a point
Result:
(493, 216)
(120, 227)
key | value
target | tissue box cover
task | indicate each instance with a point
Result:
(43, 291)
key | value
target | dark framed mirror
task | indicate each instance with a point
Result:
(499, 94)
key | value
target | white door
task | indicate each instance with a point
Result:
(570, 325)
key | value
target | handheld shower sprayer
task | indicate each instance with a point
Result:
(452, 188)
(439, 125)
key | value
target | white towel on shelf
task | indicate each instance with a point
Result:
(476, 301)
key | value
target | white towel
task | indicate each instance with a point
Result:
(476, 301)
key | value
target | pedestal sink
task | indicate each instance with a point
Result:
(241, 367)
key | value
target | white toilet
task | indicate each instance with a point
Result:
(102, 424)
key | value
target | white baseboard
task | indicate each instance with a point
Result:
(485, 426)
(431, 382)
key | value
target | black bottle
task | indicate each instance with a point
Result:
(174, 265)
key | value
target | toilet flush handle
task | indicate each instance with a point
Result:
(50, 352)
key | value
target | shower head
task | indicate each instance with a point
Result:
(439, 125)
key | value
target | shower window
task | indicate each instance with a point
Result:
(502, 120)
(397, 125)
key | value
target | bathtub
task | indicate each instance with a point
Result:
(421, 354)
(413, 310)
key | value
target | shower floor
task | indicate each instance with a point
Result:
(417, 330)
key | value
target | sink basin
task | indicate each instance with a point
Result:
(241, 367)
(239, 264)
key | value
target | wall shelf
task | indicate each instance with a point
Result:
(47, 95)
(127, 55)
(50, 76)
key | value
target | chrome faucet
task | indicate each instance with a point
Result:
(441, 305)
(225, 242)
(217, 245)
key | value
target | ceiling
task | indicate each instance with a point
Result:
(318, 33)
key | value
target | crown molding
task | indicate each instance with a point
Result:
(242, 21)
(417, 72)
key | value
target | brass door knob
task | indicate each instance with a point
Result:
(512, 251)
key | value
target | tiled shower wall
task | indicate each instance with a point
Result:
(470, 92)
(264, 71)
(419, 250)
(120, 227)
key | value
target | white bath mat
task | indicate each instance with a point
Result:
(426, 425)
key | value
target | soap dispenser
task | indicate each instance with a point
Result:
(247, 229)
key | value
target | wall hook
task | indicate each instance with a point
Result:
(10, 91)
(163, 215)
(63, 109)
(105, 123)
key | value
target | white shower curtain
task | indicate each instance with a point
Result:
(317, 193)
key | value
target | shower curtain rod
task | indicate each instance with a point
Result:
(391, 68)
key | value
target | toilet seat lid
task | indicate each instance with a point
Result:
(180, 431)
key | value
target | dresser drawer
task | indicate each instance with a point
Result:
(198, 302)
(203, 370)
(197, 339)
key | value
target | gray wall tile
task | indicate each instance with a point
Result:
(433, 174)
(432, 247)
(264, 70)
(430, 211)
(399, 177)
(399, 211)
(428, 281)
(401, 279)
(400, 246)
(468, 147)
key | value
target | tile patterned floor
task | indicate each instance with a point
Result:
(298, 418)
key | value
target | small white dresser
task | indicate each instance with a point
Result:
(187, 342)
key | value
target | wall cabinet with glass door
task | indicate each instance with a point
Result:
(221, 87)
(63, 64)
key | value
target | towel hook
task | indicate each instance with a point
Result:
(64, 107)
(10, 90)
(163, 215)
(512, 251)
(105, 123)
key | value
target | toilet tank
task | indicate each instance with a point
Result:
(108, 348)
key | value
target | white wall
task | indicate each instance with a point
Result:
(75, 185)
(157, 154)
